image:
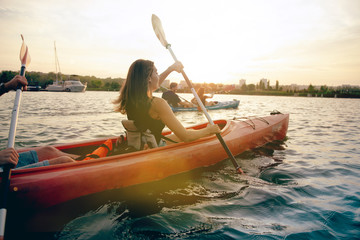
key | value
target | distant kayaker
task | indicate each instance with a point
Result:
(43, 156)
(173, 99)
(150, 112)
(201, 93)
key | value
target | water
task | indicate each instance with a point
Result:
(307, 187)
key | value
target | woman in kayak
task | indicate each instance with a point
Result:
(43, 156)
(203, 97)
(150, 112)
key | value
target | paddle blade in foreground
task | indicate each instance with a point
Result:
(158, 29)
(5, 181)
(24, 55)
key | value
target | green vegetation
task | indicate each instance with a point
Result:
(277, 90)
(44, 79)
(311, 91)
(114, 84)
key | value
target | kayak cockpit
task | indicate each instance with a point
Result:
(88, 147)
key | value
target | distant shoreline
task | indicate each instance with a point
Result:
(38, 79)
(255, 93)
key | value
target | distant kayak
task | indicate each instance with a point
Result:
(219, 105)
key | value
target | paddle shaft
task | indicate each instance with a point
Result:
(5, 180)
(15, 112)
(227, 150)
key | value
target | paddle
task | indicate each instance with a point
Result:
(161, 36)
(5, 180)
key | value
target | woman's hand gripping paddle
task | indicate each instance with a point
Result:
(5, 180)
(161, 36)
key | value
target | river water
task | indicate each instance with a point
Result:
(306, 187)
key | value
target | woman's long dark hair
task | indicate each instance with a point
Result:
(200, 93)
(134, 92)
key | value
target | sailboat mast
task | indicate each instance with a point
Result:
(56, 70)
(57, 66)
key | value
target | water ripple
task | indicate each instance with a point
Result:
(304, 188)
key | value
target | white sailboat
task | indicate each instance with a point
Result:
(67, 85)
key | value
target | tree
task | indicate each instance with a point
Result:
(107, 85)
(33, 78)
(7, 76)
(243, 87)
(324, 88)
(251, 87)
(261, 85)
(95, 83)
(75, 77)
(311, 88)
(197, 85)
(213, 87)
(115, 85)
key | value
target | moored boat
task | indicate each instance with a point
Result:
(34, 88)
(47, 186)
(218, 105)
(67, 85)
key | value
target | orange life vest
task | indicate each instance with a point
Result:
(101, 151)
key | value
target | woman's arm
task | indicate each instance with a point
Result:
(177, 66)
(13, 83)
(207, 96)
(164, 112)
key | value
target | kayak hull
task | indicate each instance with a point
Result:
(220, 105)
(47, 186)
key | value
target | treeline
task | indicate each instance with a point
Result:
(44, 79)
(114, 84)
(277, 90)
(325, 91)
(311, 91)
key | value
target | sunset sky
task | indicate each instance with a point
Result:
(294, 42)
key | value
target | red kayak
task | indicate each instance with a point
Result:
(47, 186)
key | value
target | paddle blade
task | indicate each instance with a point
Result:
(24, 53)
(158, 29)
